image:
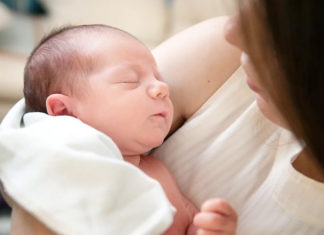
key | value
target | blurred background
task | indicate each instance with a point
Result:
(24, 22)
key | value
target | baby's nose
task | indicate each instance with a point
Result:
(159, 89)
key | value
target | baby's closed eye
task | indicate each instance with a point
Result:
(129, 79)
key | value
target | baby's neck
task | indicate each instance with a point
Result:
(135, 159)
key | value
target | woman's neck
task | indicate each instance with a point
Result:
(308, 166)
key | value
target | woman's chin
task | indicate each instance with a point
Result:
(270, 112)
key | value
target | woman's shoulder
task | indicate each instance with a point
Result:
(195, 63)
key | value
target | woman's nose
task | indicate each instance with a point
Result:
(158, 90)
(233, 32)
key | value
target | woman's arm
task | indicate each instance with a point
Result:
(23, 223)
(195, 63)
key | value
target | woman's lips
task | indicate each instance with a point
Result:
(247, 66)
(251, 85)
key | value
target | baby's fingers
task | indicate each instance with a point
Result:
(207, 232)
(216, 217)
(220, 206)
(215, 223)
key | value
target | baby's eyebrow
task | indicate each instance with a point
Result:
(139, 68)
(109, 70)
(128, 67)
(121, 67)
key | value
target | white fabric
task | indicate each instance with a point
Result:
(73, 178)
(229, 150)
(287, 202)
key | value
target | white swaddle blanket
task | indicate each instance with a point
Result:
(73, 178)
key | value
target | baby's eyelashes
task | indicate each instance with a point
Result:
(129, 81)
(132, 79)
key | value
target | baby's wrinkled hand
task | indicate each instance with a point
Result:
(216, 217)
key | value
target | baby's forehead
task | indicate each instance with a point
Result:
(86, 38)
(93, 45)
(96, 49)
(104, 44)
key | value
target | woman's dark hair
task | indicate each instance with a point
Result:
(285, 41)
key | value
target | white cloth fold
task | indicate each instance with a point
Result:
(228, 149)
(73, 178)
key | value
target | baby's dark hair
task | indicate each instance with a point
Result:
(59, 61)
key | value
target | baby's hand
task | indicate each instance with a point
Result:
(216, 217)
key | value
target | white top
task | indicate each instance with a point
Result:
(73, 178)
(229, 150)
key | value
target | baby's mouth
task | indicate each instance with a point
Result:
(161, 114)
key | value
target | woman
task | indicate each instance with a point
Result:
(277, 189)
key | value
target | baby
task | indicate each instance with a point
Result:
(109, 80)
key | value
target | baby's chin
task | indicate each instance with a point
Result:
(142, 148)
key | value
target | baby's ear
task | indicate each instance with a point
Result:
(59, 104)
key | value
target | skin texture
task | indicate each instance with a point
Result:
(23, 222)
(233, 34)
(209, 54)
(216, 217)
(202, 60)
(125, 97)
(127, 100)
(304, 163)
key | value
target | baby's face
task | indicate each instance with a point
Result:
(126, 98)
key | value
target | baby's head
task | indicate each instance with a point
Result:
(63, 59)
(106, 78)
